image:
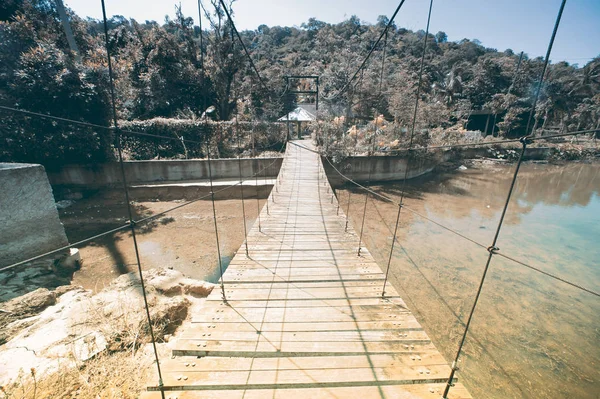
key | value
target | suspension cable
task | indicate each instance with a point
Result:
(137, 223)
(366, 59)
(237, 132)
(391, 201)
(267, 199)
(383, 62)
(212, 199)
(409, 159)
(262, 82)
(128, 203)
(255, 165)
(492, 248)
(200, 8)
(362, 225)
(355, 146)
(546, 62)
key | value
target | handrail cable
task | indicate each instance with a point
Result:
(412, 135)
(134, 133)
(449, 229)
(128, 203)
(362, 65)
(139, 222)
(498, 142)
(87, 124)
(492, 249)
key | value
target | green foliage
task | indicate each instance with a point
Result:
(169, 71)
(190, 138)
(138, 147)
(40, 75)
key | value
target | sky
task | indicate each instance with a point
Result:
(521, 25)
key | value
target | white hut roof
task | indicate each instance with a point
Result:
(299, 115)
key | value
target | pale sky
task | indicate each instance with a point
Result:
(518, 24)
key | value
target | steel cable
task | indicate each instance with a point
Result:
(366, 59)
(449, 229)
(139, 222)
(128, 204)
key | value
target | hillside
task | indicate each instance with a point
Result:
(162, 71)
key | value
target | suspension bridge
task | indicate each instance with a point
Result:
(301, 315)
(303, 310)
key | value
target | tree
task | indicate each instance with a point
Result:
(383, 21)
(441, 37)
(224, 58)
(313, 24)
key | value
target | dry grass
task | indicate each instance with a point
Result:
(108, 376)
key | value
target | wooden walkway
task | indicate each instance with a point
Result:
(304, 317)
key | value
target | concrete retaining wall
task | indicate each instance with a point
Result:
(29, 223)
(377, 168)
(393, 167)
(109, 174)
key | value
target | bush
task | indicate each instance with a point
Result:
(222, 138)
(47, 81)
(52, 144)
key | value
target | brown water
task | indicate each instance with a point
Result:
(531, 336)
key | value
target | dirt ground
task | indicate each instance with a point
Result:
(183, 239)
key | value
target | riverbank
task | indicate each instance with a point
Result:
(72, 343)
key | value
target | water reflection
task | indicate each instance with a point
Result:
(531, 337)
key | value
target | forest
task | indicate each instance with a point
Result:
(167, 74)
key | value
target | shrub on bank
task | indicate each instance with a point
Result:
(192, 138)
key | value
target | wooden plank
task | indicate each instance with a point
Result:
(260, 347)
(425, 391)
(289, 379)
(409, 322)
(189, 363)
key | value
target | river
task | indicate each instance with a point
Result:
(531, 336)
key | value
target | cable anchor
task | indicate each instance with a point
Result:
(493, 249)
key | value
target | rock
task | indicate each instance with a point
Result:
(171, 282)
(63, 289)
(462, 167)
(71, 261)
(200, 289)
(170, 314)
(64, 204)
(165, 281)
(88, 346)
(48, 330)
(26, 306)
(13, 328)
